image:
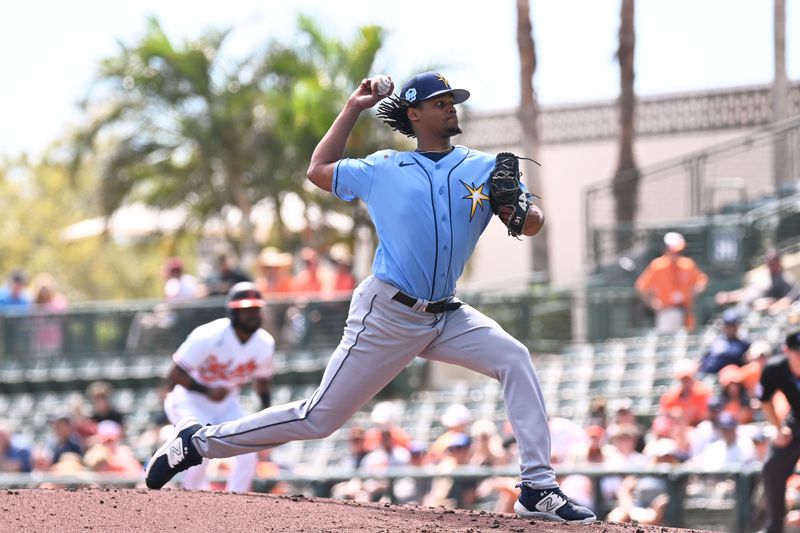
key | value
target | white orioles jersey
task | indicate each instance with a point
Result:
(214, 356)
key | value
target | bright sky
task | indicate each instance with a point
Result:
(49, 50)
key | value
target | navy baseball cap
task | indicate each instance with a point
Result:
(730, 316)
(793, 340)
(430, 84)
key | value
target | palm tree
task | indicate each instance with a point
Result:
(528, 117)
(179, 126)
(626, 178)
(780, 96)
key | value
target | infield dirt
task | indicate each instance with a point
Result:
(140, 510)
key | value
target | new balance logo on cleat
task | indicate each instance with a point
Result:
(175, 455)
(550, 504)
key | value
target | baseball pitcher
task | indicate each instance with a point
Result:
(429, 207)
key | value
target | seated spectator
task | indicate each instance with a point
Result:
(645, 499)
(274, 275)
(227, 275)
(357, 449)
(386, 417)
(451, 492)
(268, 468)
(622, 414)
(735, 399)
(624, 439)
(64, 439)
(14, 296)
(47, 325)
(68, 464)
(598, 410)
(14, 456)
(770, 289)
(456, 419)
(178, 285)
(108, 454)
(388, 454)
(728, 348)
(674, 425)
(353, 489)
(761, 437)
(708, 430)
(342, 280)
(730, 451)
(40, 459)
(99, 394)
(564, 434)
(487, 444)
(410, 489)
(593, 450)
(669, 284)
(689, 397)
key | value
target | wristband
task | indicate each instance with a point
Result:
(266, 399)
(199, 387)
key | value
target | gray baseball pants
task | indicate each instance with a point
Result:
(381, 337)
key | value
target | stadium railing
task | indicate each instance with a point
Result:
(543, 318)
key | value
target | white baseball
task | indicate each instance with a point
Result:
(383, 85)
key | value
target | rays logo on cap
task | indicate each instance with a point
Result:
(430, 85)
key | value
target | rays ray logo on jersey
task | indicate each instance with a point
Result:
(476, 196)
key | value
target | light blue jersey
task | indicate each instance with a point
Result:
(428, 215)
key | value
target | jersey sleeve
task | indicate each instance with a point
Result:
(352, 178)
(191, 354)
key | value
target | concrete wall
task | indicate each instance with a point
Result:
(568, 169)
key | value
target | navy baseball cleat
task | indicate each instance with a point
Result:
(550, 504)
(175, 455)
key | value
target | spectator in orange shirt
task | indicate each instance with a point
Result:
(386, 417)
(689, 397)
(274, 276)
(343, 279)
(311, 278)
(669, 284)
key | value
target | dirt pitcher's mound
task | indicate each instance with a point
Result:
(140, 510)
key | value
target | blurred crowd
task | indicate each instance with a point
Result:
(276, 273)
(87, 436)
(297, 277)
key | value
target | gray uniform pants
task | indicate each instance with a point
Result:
(780, 464)
(381, 337)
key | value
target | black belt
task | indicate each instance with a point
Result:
(434, 307)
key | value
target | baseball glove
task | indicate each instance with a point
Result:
(505, 189)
